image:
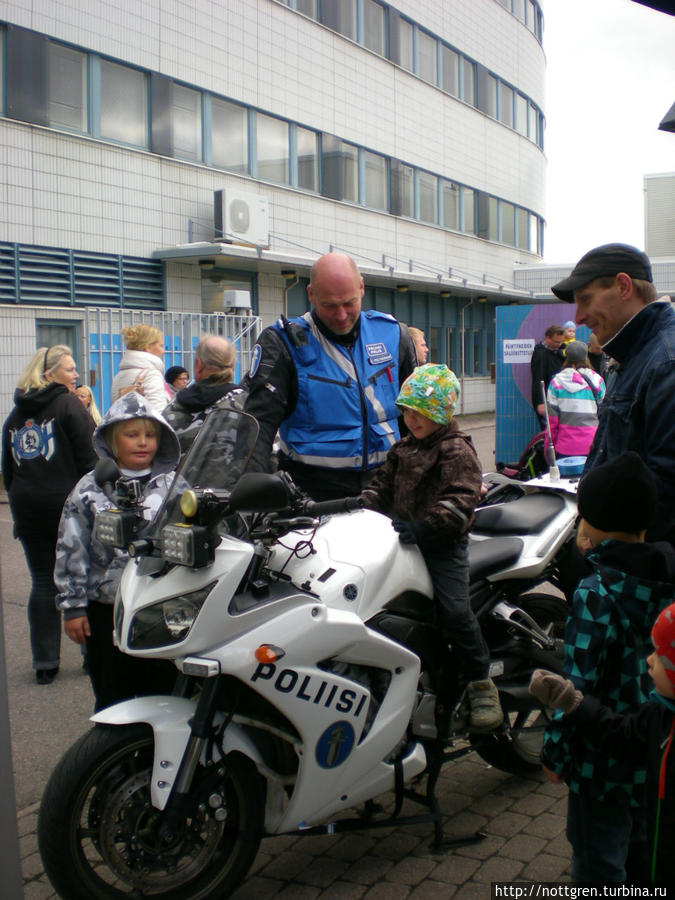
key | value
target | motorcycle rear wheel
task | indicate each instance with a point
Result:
(98, 832)
(518, 750)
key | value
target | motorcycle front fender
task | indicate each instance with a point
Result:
(169, 717)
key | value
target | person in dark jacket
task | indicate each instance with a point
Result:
(430, 484)
(606, 643)
(546, 361)
(46, 447)
(641, 738)
(215, 359)
(327, 382)
(613, 289)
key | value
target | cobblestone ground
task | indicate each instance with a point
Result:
(523, 819)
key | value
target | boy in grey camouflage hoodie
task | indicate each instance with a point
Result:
(88, 572)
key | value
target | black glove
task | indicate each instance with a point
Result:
(412, 532)
(555, 691)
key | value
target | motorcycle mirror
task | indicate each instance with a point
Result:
(259, 492)
(106, 473)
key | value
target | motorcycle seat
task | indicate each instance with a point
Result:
(527, 515)
(486, 557)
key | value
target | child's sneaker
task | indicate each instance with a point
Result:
(486, 710)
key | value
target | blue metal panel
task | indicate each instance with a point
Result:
(516, 421)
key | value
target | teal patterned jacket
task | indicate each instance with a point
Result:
(607, 640)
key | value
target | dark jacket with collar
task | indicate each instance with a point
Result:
(641, 738)
(435, 480)
(606, 645)
(46, 448)
(188, 409)
(638, 412)
(544, 364)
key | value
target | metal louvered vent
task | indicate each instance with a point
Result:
(52, 276)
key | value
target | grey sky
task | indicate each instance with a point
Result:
(610, 81)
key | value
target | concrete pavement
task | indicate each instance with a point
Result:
(523, 817)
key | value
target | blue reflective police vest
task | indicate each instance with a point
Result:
(346, 414)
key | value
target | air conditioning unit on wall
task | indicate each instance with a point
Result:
(240, 218)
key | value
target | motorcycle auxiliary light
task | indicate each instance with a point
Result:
(187, 545)
(168, 622)
(116, 527)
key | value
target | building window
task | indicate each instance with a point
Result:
(487, 92)
(450, 69)
(405, 44)
(308, 159)
(521, 115)
(229, 136)
(426, 57)
(402, 189)
(450, 204)
(374, 27)
(187, 122)
(308, 7)
(522, 229)
(67, 88)
(468, 211)
(124, 104)
(428, 197)
(340, 167)
(272, 149)
(508, 223)
(375, 167)
(340, 15)
(468, 81)
(506, 104)
(534, 234)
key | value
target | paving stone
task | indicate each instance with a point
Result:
(491, 844)
(278, 844)
(38, 890)
(498, 868)
(411, 870)
(396, 846)
(350, 847)
(547, 867)
(368, 870)
(533, 804)
(322, 872)
(28, 844)
(546, 825)
(523, 847)
(343, 890)
(456, 870)
(439, 889)
(258, 888)
(560, 846)
(491, 804)
(298, 892)
(31, 866)
(387, 891)
(287, 865)
(509, 823)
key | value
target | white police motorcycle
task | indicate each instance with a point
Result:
(312, 676)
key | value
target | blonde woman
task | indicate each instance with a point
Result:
(142, 366)
(46, 448)
(85, 395)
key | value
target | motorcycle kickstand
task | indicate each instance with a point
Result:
(440, 842)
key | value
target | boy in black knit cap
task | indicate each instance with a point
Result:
(606, 644)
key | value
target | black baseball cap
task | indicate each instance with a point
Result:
(605, 261)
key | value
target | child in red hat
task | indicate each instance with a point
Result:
(643, 737)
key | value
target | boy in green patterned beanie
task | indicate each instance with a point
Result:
(429, 485)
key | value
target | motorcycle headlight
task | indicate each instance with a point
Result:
(187, 545)
(117, 527)
(168, 622)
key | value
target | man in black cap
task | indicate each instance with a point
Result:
(613, 289)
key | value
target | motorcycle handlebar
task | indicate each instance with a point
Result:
(328, 507)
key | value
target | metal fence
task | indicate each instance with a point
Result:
(182, 331)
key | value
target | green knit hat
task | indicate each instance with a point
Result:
(432, 390)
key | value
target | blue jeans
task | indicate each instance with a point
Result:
(449, 571)
(609, 840)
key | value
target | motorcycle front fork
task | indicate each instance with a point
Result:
(200, 731)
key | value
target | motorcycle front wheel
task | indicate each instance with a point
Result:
(518, 749)
(101, 839)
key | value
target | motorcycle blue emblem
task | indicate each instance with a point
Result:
(335, 745)
(33, 440)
